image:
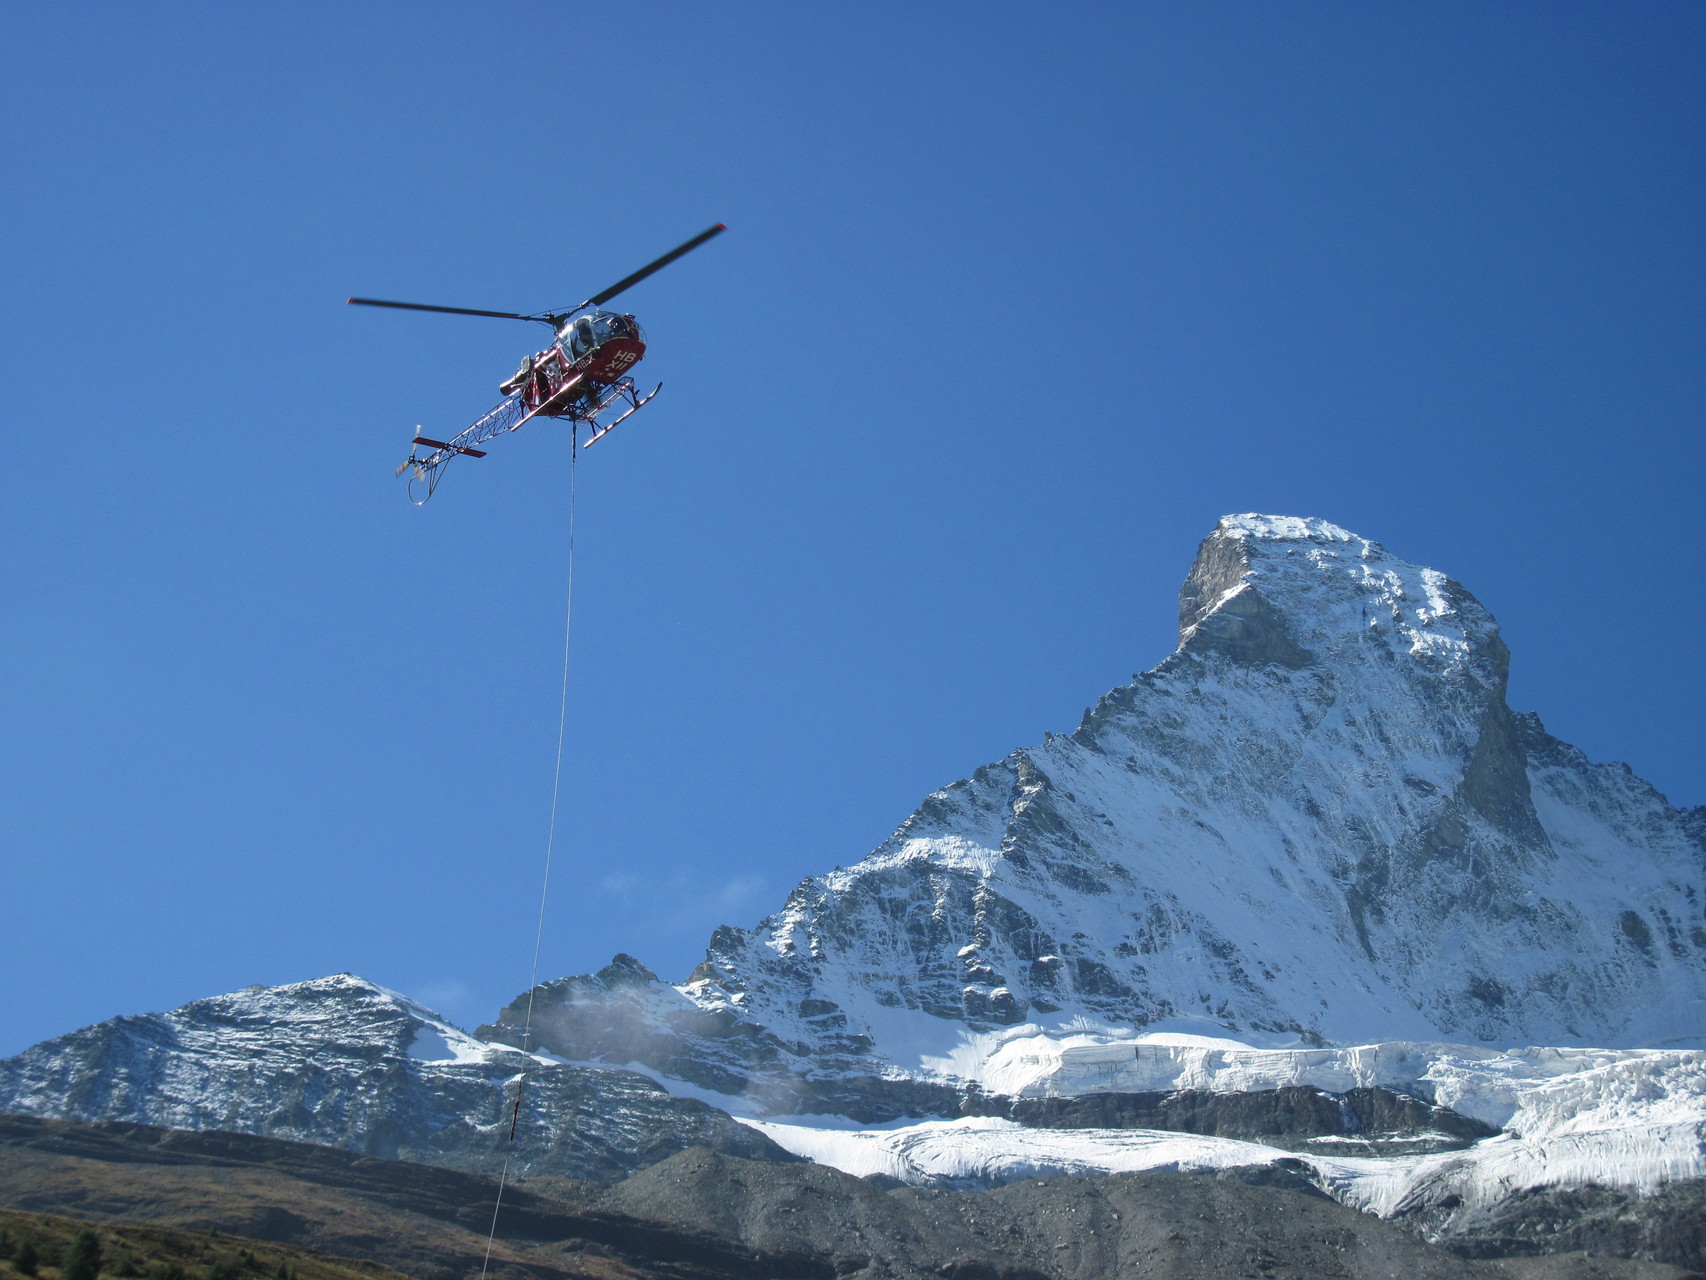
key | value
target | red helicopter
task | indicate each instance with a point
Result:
(581, 376)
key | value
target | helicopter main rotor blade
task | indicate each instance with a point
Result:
(556, 318)
(455, 311)
(599, 299)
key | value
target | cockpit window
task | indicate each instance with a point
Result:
(588, 333)
(607, 326)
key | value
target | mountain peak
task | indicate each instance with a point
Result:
(1291, 591)
(1316, 823)
(1287, 529)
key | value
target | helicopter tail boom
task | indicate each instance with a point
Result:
(515, 412)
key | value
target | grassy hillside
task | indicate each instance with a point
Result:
(135, 1251)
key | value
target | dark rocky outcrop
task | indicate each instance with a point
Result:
(1222, 612)
(1357, 1122)
(1663, 1226)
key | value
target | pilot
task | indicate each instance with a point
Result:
(584, 339)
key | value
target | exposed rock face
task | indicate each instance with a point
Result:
(1317, 822)
(1221, 610)
(341, 1062)
(1169, 1224)
(1665, 1226)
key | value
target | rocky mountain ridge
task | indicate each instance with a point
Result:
(341, 1062)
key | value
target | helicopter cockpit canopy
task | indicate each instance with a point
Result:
(589, 332)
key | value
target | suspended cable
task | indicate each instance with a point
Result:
(550, 848)
(562, 725)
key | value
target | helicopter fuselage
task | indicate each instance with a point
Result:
(591, 352)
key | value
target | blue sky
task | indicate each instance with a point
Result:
(1015, 303)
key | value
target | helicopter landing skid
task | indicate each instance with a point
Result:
(636, 402)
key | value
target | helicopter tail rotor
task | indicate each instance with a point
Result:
(414, 459)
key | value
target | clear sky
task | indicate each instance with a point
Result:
(1017, 300)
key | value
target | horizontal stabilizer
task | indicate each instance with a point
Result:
(454, 448)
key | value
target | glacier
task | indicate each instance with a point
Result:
(1567, 1117)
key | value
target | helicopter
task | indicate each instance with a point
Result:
(582, 377)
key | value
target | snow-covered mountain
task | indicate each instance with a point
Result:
(343, 1063)
(1316, 823)
(1292, 895)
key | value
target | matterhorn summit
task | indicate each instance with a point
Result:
(1316, 823)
